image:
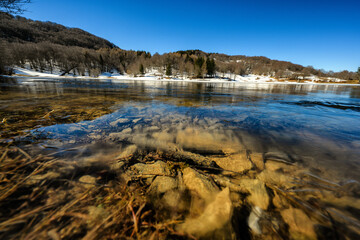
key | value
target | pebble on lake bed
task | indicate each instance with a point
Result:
(88, 181)
(254, 218)
(117, 122)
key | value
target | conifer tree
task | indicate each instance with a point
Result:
(141, 69)
(3, 58)
(168, 71)
(199, 66)
(210, 67)
(102, 63)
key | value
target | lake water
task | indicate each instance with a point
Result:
(312, 130)
(317, 125)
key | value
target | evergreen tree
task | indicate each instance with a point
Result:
(3, 58)
(102, 63)
(199, 66)
(203, 70)
(210, 67)
(141, 69)
(358, 73)
(168, 71)
(188, 59)
(199, 62)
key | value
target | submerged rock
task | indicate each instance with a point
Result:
(151, 129)
(254, 188)
(253, 220)
(276, 178)
(300, 225)
(118, 136)
(158, 168)
(258, 193)
(199, 183)
(126, 131)
(53, 234)
(279, 201)
(56, 196)
(117, 165)
(120, 160)
(96, 215)
(351, 188)
(225, 182)
(236, 163)
(136, 120)
(278, 157)
(275, 166)
(36, 179)
(258, 160)
(202, 190)
(119, 121)
(88, 181)
(175, 200)
(163, 184)
(168, 192)
(330, 198)
(215, 216)
(129, 150)
(143, 140)
(163, 137)
(208, 142)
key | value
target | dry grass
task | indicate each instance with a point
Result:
(64, 208)
(43, 197)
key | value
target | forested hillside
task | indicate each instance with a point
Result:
(17, 29)
(46, 46)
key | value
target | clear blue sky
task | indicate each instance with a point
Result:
(321, 33)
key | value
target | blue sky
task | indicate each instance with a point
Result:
(321, 33)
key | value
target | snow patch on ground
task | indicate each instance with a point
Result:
(27, 72)
(151, 75)
(154, 75)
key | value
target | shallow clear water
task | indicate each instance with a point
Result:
(317, 125)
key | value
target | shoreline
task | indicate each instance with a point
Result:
(23, 73)
(152, 79)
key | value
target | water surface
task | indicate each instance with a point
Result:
(317, 125)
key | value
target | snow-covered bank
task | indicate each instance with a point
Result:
(155, 76)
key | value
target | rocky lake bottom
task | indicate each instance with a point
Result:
(86, 159)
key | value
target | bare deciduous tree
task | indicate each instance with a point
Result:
(13, 6)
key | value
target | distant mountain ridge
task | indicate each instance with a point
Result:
(17, 29)
(48, 46)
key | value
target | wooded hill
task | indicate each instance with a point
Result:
(18, 29)
(47, 46)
